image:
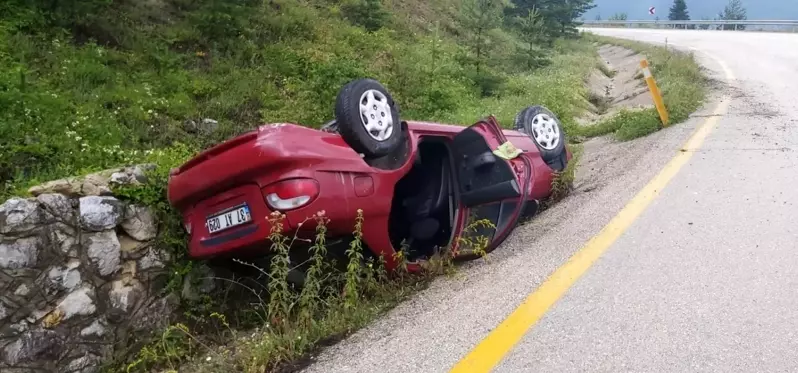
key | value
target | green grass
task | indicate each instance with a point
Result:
(678, 76)
(130, 80)
(559, 86)
(563, 181)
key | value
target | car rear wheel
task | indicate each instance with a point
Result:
(546, 132)
(368, 118)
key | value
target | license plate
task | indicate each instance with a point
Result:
(228, 219)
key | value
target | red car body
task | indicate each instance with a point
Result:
(290, 161)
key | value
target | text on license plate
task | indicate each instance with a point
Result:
(228, 219)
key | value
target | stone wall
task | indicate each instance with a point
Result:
(79, 274)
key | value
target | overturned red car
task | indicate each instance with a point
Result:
(418, 184)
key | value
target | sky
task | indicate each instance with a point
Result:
(638, 9)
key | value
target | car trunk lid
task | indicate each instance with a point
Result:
(190, 183)
(216, 150)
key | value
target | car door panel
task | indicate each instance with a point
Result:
(481, 175)
(495, 192)
(492, 194)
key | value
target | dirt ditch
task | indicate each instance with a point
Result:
(615, 84)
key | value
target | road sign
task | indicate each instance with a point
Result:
(652, 10)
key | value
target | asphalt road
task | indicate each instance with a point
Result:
(704, 280)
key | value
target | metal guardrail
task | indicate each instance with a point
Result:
(698, 24)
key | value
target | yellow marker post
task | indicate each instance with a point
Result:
(655, 93)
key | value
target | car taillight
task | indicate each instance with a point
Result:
(291, 194)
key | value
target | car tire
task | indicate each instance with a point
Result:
(368, 118)
(546, 131)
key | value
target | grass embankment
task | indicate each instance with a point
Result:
(90, 84)
(679, 78)
(93, 84)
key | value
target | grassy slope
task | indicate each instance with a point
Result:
(73, 104)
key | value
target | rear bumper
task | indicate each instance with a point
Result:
(338, 198)
(252, 235)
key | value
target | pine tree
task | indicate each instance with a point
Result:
(481, 17)
(532, 28)
(560, 16)
(566, 12)
(678, 11)
(734, 11)
(619, 17)
(366, 13)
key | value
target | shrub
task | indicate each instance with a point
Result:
(366, 13)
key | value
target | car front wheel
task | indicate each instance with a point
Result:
(546, 132)
(368, 118)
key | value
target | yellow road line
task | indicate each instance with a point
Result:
(488, 353)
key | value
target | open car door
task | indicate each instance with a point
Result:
(493, 180)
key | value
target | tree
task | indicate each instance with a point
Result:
(734, 11)
(366, 13)
(481, 17)
(678, 11)
(533, 29)
(618, 17)
(560, 16)
(565, 12)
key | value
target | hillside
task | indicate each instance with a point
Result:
(757, 9)
(90, 84)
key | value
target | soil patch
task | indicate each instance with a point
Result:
(616, 84)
